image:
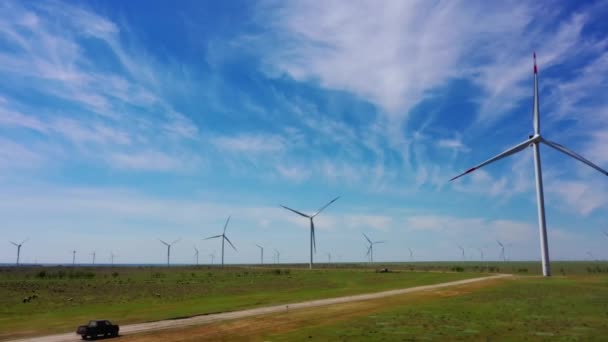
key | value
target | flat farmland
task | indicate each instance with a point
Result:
(44, 300)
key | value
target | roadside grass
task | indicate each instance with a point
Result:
(522, 309)
(44, 300)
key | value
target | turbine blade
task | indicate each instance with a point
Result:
(379, 242)
(368, 240)
(314, 238)
(325, 206)
(14, 244)
(369, 249)
(24, 241)
(213, 237)
(176, 241)
(227, 239)
(295, 211)
(574, 155)
(536, 114)
(500, 244)
(226, 225)
(163, 242)
(504, 154)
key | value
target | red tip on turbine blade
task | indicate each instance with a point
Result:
(471, 170)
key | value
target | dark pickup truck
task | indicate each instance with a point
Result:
(97, 328)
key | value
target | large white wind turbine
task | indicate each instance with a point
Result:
(262, 254)
(18, 245)
(313, 244)
(168, 248)
(370, 249)
(224, 237)
(535, 140)
(502, 251)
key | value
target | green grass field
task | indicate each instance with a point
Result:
(61, 298)
(570, 308)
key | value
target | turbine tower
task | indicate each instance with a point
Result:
(313, 244)
(18, 245)
(224, 237)
(328, 257)
(196, 254)
(74, 258)
(502, 251)
(535, 140)
(370, 249)
(212, 255)
(411, 254)
(262, 254)
(93, 254)
(168, 248)
(278, 256)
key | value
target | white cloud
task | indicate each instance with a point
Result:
(250, 143)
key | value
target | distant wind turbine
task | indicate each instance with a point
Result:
(411, 254)
(370, 249)
(112, 255)
(328, 257)
(535, 140)
(462, 250)
(590, 255)
(502, 251)
(168, 249)
(74, 258)
(196, 254)
(93, 254)
(313, 244)
(481, 253)
(278, 254)
(212, 255)
(18, 245)
(224, 237)
(262, 254)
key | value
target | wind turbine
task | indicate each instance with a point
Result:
(328, 257)
(168, 248)
(18, 245)
(212, 255)
(502, 251)
(480, 252)
(93, 254)
(196, 254)
(74, 258)
(262, 254)
(590, 256)
(224, 237)
(411, 254)
(535, 140)
(112, 255)
(278, 254)
(462, 250)
(313, 244)
(370, 249)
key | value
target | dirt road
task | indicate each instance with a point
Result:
(204, 319)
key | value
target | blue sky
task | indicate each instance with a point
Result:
(125, 122)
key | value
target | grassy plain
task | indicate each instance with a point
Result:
(57, 299)
(522, 308)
